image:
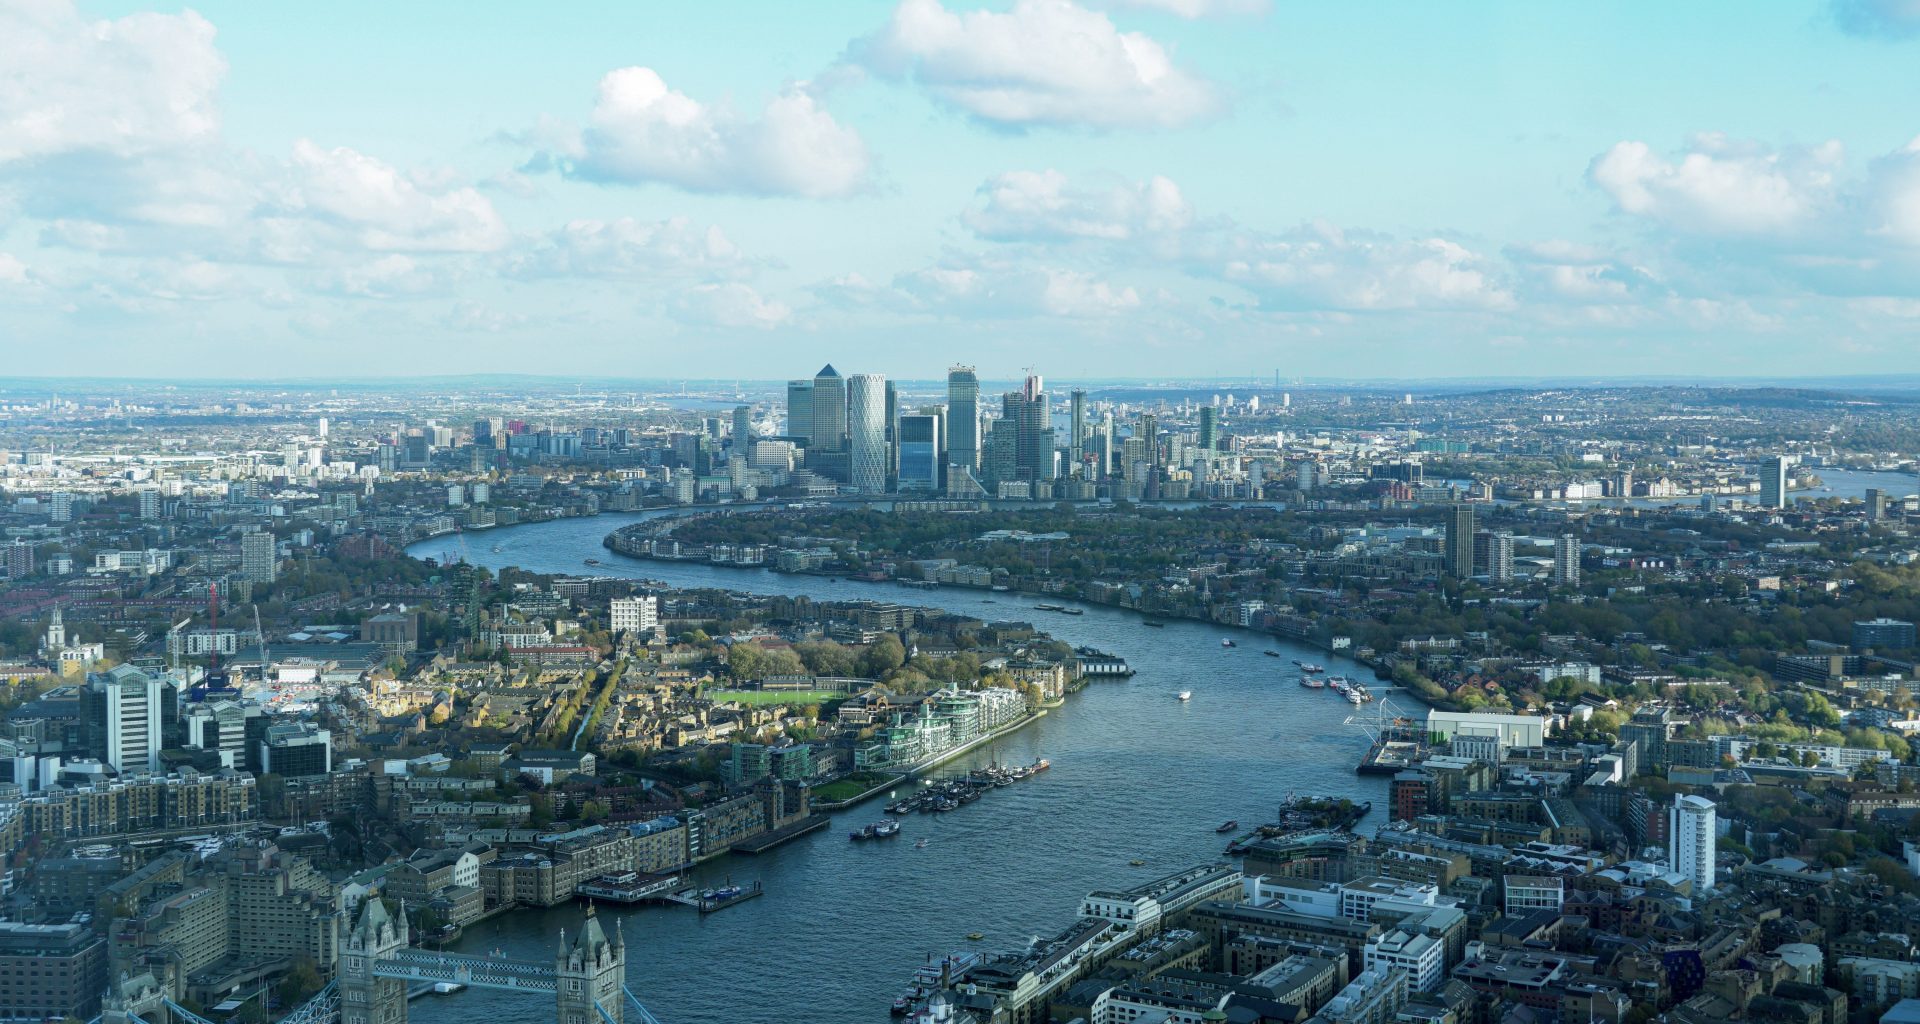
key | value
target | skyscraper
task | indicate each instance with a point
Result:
(1459, 550)
(128, 709)
(963, 418)
(919, 452)
(800, 410)
(743, 432)
(1077, 436)
(1493, 554)
(1026, 412)
(257, 559)
(1876, 505)
(1566, 560)
(1773, 482)
(893, 433)
(1209, 428)
(867, 432)
(829, 411)
(1690, 840)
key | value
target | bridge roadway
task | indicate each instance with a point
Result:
(486, 972)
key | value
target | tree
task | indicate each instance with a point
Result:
(882, 656)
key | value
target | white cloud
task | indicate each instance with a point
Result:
(731, 305)
(1045, 206)
(1192, 8)
(1321, 267)
(119, 86)
(1044, 62)
(1578, 274)
(12, 270)
(628, 248)
(1896, 19)
(1720, 186)
(1893, 195)
(642, 131)
(384, 210)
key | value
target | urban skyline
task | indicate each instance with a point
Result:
(1212, 187)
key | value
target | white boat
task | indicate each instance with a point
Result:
(1186, 694)
(447, 988)
(1355, 699)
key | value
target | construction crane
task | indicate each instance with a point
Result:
(261, 635)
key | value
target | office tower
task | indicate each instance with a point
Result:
(800, 410)
(1459, 549)
(1566, 560)
(386, 457)
(1026, 411)
(1876, 504)
(963, 418)
(1209, 428)
(1106, 444)
(867, 433)
(1000, 454)
(296, 750)
(128, 709)
(483, 433)
(1149, 435)
(1077, 432)
(893, 433)
(257, 560)
(1623, 484)
(829, 411)
(1493, 554)
(1773, 482)
(919, 452)
(1690, 840)
(743, 432)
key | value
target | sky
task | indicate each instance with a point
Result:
(1095, 188)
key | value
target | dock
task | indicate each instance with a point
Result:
(628, 887)
(708, 901)
(768, 840)
(1389, 757)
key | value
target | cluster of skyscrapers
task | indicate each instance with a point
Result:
(852, 430)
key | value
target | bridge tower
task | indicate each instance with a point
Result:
(592, 970)
(364, 997)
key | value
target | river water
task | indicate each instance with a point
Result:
(1136, 775)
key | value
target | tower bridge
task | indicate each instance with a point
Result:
(587, 980)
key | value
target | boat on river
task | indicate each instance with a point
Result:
(1225, 642)
(1228, 826)
(1185, 695)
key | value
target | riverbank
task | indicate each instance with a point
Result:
(615, 543)
(937, 760)
(1136, 775)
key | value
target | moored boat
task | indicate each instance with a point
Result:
(1228, 826)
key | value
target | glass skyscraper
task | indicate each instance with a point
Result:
(919, 452)
(963, 418)
(866, 432)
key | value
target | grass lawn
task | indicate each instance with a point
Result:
(849, 787)
(756, 697)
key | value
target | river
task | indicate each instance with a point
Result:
(1136, 775)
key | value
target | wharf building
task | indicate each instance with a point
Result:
(951, 719)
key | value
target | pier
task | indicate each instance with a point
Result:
(708, 901)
